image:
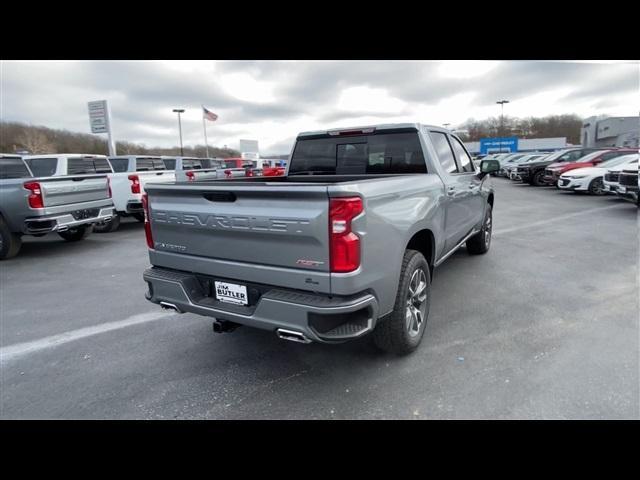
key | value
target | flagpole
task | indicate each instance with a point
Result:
(204, 126)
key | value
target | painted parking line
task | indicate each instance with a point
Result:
(12, 352)
(557, 219)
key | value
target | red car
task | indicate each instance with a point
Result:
(552, 172)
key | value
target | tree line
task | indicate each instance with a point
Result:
(530, 127)
(15, 136)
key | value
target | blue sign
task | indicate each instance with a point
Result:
(497, 145)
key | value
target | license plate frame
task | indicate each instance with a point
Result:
(232, 293)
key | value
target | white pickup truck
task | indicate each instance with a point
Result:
(130, 174)
(191, 169)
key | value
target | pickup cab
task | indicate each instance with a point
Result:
(131, 173)
(68, 205)
(344, 244)
(194, 169)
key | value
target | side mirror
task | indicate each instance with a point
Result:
(489, 166)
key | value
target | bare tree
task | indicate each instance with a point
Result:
(36, 142)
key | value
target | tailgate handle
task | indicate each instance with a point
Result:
(220, 196)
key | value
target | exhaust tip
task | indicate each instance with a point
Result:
(170, 306)
(292, 336)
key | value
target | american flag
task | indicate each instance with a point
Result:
(209, 115)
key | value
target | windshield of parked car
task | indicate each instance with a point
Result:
(380, 153)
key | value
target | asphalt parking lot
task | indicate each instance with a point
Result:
(545, 326)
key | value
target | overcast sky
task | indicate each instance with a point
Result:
(272, 101)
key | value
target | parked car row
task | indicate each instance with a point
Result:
(597, 171)
(77, 194)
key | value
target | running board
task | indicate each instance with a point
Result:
(450, 252)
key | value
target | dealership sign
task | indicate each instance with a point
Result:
(493, 145)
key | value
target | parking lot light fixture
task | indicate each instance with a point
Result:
(179, 111)
(501, 102)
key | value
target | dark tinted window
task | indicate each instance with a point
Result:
(13, 168)
(170, 163)
(194, 164)
(42, 167)
(464, 160)
(146, 164)
(443, 149)
(87, 165)
(119, 164)
(382, 153)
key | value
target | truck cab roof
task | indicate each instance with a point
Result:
(373, 128)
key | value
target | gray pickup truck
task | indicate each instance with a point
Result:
(344, 244)
(68, 205)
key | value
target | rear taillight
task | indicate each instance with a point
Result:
(248, 173)
(147, 223)
(135, 183)
(35, 197)
(190, 176)
(227, 173)
(344, 248)
(109, 187)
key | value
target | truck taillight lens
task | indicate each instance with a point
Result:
(190, 176)
(135, 183)
(109, 187)
(35, 197)
(227, 173)
(344, 247)
(147, 223)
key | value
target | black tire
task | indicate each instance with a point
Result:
(107, 227)
(10, 242)
(596, 187)
(481, 241)
(138, 216)
(76, 234)
(537, 179)
(395, 333)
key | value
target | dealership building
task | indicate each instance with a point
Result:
(515, 144)
(610, 132)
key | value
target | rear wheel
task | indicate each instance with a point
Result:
(106, 227)
(76, 234)
(596, 187)
(481, 241)
(10, 242)
(401, 331)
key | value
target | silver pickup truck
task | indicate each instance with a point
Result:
(344, 244)
(68, 205)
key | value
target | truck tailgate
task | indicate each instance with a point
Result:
(270, 224)
(164, 176)
(59, 191)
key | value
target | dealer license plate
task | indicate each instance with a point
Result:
(231, 293)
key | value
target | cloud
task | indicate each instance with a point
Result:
(272, 101)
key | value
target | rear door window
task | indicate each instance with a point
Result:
(464, 160)
(444, 152)
(13, 168)
(42, 167)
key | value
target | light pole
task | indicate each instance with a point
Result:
(179, 111)
(502, 102)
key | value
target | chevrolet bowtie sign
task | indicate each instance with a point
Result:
(98, 117)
